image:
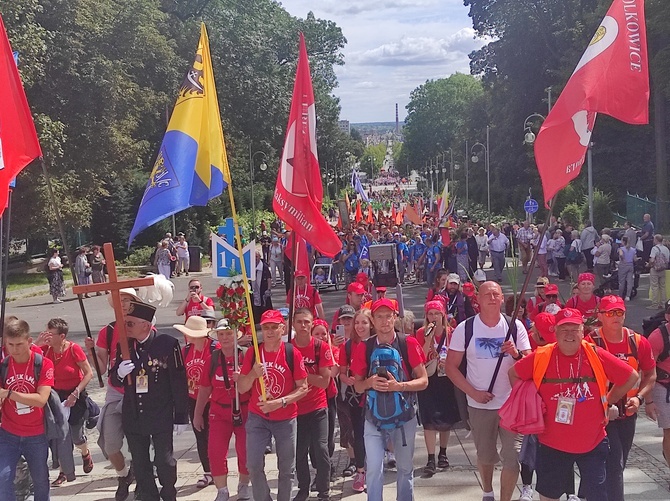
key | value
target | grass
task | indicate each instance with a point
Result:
(26, 280)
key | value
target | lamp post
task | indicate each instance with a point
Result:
(529, 125)
(475, 151)
(263, 166)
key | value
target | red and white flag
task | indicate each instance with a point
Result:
(612, 77)
(18, 140)
(298, 193)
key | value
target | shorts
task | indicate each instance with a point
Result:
(486, 429)
(555, 470)
(659, 395)
(112, 428)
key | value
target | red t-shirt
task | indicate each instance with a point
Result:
(316, 397)
(331, 391)
(194, 361)
(587, 308)
(195, 308)
(221, 394)
(67, 373)
(588, 428)
(656, 343)
(359, 364)
(305, 297)
(19, 419)
(279, 381)
(342, 355)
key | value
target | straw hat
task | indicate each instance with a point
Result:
(195, 327)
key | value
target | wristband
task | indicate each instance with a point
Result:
(9, 394)
(519, 357)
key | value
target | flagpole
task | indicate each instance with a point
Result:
(70, 261)
(247, 295)
(5, 262)
(291, 307)
(517, 304)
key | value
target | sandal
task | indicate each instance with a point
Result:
(206, 480)
(88, 462)
(62, 478)
(442, 461)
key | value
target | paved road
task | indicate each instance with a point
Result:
(647, 476)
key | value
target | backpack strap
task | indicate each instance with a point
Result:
(469, 331)
(4, 366)
(404, 352)
(666, 342)
(214, 364)
(109, 331)
(38, 368)
(187, 349)
(288, 347)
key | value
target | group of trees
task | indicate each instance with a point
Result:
(101, 77)
(535, 46)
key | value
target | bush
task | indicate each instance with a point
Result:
(140, 257)
(572, 214)
(603, 217)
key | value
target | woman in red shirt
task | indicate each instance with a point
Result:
(217, 392)
(585, 301)
(72, 373)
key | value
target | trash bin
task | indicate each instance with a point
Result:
(195, 258)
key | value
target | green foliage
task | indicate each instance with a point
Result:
(572, 214)
(139, 257)
(603, 217)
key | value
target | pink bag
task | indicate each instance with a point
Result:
(523, 411)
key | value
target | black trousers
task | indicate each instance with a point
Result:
(620, 433)
(358, 424)
(312, 434)
(589, 259)
(164, 460)
(201, 437)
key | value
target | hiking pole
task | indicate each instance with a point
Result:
(517, 304)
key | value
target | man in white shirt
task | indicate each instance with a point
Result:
(498, 243)
(486, 332)
(658, 258)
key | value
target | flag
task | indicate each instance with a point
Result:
(347, 202)
(358, 187)
(18, 139)
(443, 200)
(359, 213)
(612, 77)
(299, 193)
(191, 167)
(302, 260)
(399, 217)
(412, 215)
(370, 218)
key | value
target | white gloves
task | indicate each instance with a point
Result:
(125, 368)
(181, 428)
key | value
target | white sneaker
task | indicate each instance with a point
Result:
(574, 497)
(627, 298)
(243, 492)
(222, 494)
(526, 493)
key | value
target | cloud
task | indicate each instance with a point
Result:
(420, 51)
(352, 7)
(365, 85)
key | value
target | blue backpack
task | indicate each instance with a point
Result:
(389, 410)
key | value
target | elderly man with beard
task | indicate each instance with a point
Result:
(572, 377)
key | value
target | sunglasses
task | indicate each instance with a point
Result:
(194, 287)
(552, 295)
(614, 313)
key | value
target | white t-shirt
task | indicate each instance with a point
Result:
(660, 248)
(482, 357)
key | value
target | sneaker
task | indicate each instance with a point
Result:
(124, 486)
(205, 481)
(488, 497)
(574, 497)
(223, 494)
(57, 301)
(359, 482)
(349, 470)
(442, 461)
(430, 469)
(526, 493)
(390, 459)
(627, 298)
(243, 492)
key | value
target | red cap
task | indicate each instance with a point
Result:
(468, 289)
(301, 273)
(545, 323)
(362, 278)
(272, 317)
(381, 303)
(435, 304)
(569, 316)
(586, 277)
(551, 289)
(381, 289)
(608, 303)
(356, 288)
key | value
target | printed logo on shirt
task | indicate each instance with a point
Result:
(194, 373)
(50, 373)
(275, 379)
(21, 380)
(487, 348)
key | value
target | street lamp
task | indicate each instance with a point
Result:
(475, 158)
(263, 166)
(530, 123)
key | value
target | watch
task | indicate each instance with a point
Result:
(640, 398)
(283, 402)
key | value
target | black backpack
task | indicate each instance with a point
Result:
(289, 355)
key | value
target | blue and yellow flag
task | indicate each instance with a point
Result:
(191, 167)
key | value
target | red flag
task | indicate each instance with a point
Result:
(446, 235)
(412, 215)
(359, 213)
(399, 217)
(370, 218)
(302, 261)
(393, 213)
(613, 78)
(299, 193)
(18, 140)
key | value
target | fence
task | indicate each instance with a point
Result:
(637, 207)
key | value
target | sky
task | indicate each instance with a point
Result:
(393, 47)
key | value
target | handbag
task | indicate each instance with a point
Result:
(431, 365)
(88, 272)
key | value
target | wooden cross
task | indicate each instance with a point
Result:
(114, 285)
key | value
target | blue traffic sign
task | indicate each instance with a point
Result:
(531, 206)
(226, 256)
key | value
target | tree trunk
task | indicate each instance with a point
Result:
(662, 205)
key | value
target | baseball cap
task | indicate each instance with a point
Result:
(362, 277)
(380, 289)
(355, 288)
(569, 316)
(550, 289)
(272, 317)
(612, 302)
(300, 273)
(383, 303)
(541, 282)
(208, 314)
(469, 289)
(126, 290)
(480, 275)
(545, 323)
(453, 278)
(346, 311)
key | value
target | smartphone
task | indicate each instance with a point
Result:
(339, 332)
(382, 372)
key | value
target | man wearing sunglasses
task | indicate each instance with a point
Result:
(630, 347)
(195, 302)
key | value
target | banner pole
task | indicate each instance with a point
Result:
(291, 307)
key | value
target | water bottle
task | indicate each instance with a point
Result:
(440, 365)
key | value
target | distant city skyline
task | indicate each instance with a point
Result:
(393, 47)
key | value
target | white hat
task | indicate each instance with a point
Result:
(453, 278)
(480, 275)
(195, 327)
(128, 290)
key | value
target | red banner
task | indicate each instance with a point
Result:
(299, 193)
(612, 77)
(18, 140)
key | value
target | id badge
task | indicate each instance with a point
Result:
(22, 409)
(565, 410)
(142, 382)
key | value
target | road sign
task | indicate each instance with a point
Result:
(226, 256)
(531, 206)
